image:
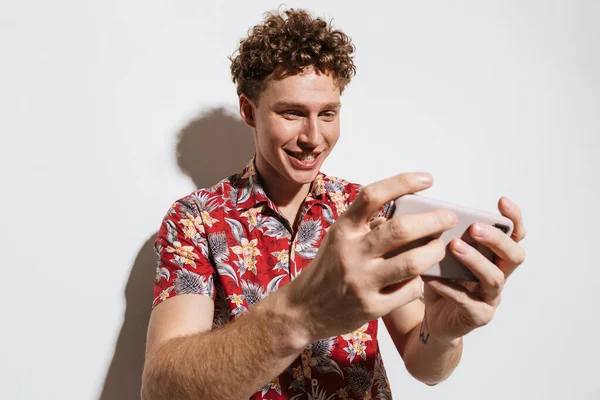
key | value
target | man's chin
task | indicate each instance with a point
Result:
(303, 177)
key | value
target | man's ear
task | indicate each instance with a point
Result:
(247, 110)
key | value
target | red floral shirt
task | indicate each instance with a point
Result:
(231, 243)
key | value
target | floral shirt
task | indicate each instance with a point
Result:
(231, 243)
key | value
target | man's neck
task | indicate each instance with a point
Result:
(284, 194)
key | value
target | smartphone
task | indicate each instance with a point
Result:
(450, 267)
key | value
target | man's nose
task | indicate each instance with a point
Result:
(311, 134)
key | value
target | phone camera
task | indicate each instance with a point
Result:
(503, 228)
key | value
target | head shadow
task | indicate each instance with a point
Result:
(214, 146)
(211, 147)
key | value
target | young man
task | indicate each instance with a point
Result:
(246, 307)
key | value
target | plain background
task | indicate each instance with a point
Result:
(111, 110)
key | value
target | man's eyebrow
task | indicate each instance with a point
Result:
(298, 105)
(333, 105)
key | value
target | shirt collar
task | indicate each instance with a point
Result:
(250, 192)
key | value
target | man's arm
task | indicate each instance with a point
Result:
(338, 292)
(430, 362)
(457, 308)
(232, 362)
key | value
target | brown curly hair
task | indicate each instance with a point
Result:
(285, 45)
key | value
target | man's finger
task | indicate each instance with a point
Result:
(407, 228)
(403, 292)
(373, 197)
(512, 211)
(491, 278)
(408, 264)
(503, 246)
(477, 312)
(451, 291)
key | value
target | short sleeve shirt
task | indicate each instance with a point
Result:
(230, 243)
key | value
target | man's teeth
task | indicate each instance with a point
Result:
(304, 156)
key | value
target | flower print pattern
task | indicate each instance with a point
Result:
(222, 313)
(339, 199)
(232, 244)
(183, 254)
(218, 246)
(255, 219)
(339, 196)
(207, 219)
(192, 226)
(319, 393)
(283, 260)
(253, 292)
(165, 294)
(381, 381)
(360, 381)
(356, 342)
(202, 202)
(273, 385)
(248, 252)
(188, 282)
(237, 299)
(321, 351)
(161, 271)
(307, 238)
(308, 361)
(318, 186)
(297, 383)
(342, 393)
(276, 229)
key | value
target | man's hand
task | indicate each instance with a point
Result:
(353, 279)
(456, 308)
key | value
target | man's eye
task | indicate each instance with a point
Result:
(292, 113)
(329, 114)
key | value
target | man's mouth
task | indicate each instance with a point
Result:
(303, 157)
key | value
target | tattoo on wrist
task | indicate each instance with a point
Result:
(424, 334)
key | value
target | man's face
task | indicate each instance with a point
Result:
(297, 126)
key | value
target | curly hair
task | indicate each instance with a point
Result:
(285, 45)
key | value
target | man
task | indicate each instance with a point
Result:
(246, 307)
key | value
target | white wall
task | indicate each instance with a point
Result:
(494, 99)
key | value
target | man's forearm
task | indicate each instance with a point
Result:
(433, 361)
(232, 362)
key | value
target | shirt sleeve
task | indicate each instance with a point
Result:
(182, 260)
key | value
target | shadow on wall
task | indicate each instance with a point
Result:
(210, 148)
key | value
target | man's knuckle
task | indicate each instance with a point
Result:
(361, 298)
(369, 307)
(368, 245)
(442, 218)
(523, 234)
(354, 288)
(411, 267)
(463, 300)
(497, 281)
(345, 265)
(519, 258)
(368, 195)
(406, 180)
(495, 302)
(333, 233)
(417, 287)
(439, 249)
(399, 228)
(486, 316)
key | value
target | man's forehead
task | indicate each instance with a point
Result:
(308, 88)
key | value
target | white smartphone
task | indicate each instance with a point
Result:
(450, 267)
